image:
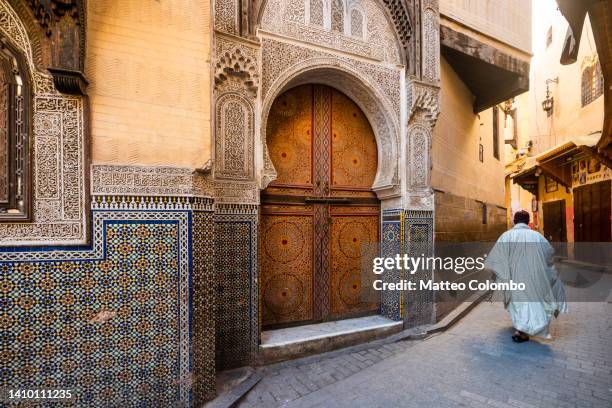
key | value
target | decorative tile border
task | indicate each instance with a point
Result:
(138, 268)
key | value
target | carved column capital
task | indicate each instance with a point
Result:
(423, 103)
(237, 65)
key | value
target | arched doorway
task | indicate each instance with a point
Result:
(320, 212)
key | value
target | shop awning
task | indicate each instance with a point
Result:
(556, 162)
(526, 175)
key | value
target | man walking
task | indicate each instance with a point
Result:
(525, 256)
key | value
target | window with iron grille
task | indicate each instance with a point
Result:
(592, 83)
(14, 135)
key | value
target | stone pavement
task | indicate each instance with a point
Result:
(474, 364)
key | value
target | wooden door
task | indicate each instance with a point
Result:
(320, 212)
(592, 221)
(554, 221)
(592, 212)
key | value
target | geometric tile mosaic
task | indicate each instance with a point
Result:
(114, 322)
(390, 247)
(418, 241)
(236, 276)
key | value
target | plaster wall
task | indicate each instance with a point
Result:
(503, 20)
(569, 117)
(455, 147)
(148, 63)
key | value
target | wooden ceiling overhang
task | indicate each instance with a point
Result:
(491, 75)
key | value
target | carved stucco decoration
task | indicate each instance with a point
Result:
(234, 137)
(148, 181)
(377, 41)
(228, 192)
(226, 16)
(431, 41)
(423, 112)
(399, 10)
(399, 13)
(236, 87)
(293, 68)
(238, 64)
(423, 103)
(419, 144)
(58, 161)
(278, 56)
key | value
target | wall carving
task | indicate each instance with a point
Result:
(238, 62)
(423, 112)
(58, 165)
(226, 16)
(431, 42)
(236, 87)
(419, 149)
(230, 192)
(233, 137)
(423, 103)
(13, 28)
(400, 13)
(148, 180)
(366, 32)
(279, 57)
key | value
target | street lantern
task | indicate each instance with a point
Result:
(548, 103)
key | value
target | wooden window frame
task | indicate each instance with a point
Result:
(18, 205)
(496, 149)
(591, 84)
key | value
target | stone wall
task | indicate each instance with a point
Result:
(460, 219)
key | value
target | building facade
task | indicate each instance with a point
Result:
(486, 52)
(182, 175)
(105, 264)
(564, 176)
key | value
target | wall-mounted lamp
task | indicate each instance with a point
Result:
(508, 107)
(549, 102)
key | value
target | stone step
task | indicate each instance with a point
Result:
(295, 342)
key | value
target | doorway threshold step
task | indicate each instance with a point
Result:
(295, 342)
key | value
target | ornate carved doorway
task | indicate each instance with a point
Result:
(320, 211)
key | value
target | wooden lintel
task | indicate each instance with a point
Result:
(561, 175)
(596, 155)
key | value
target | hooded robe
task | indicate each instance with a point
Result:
(525, 256)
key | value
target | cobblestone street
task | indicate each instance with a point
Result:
(474, 364)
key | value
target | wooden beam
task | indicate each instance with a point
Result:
(561, 175)
(596, 155)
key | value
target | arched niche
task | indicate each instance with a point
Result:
(355, 85)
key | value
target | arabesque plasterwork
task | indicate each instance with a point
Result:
(58, 160)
